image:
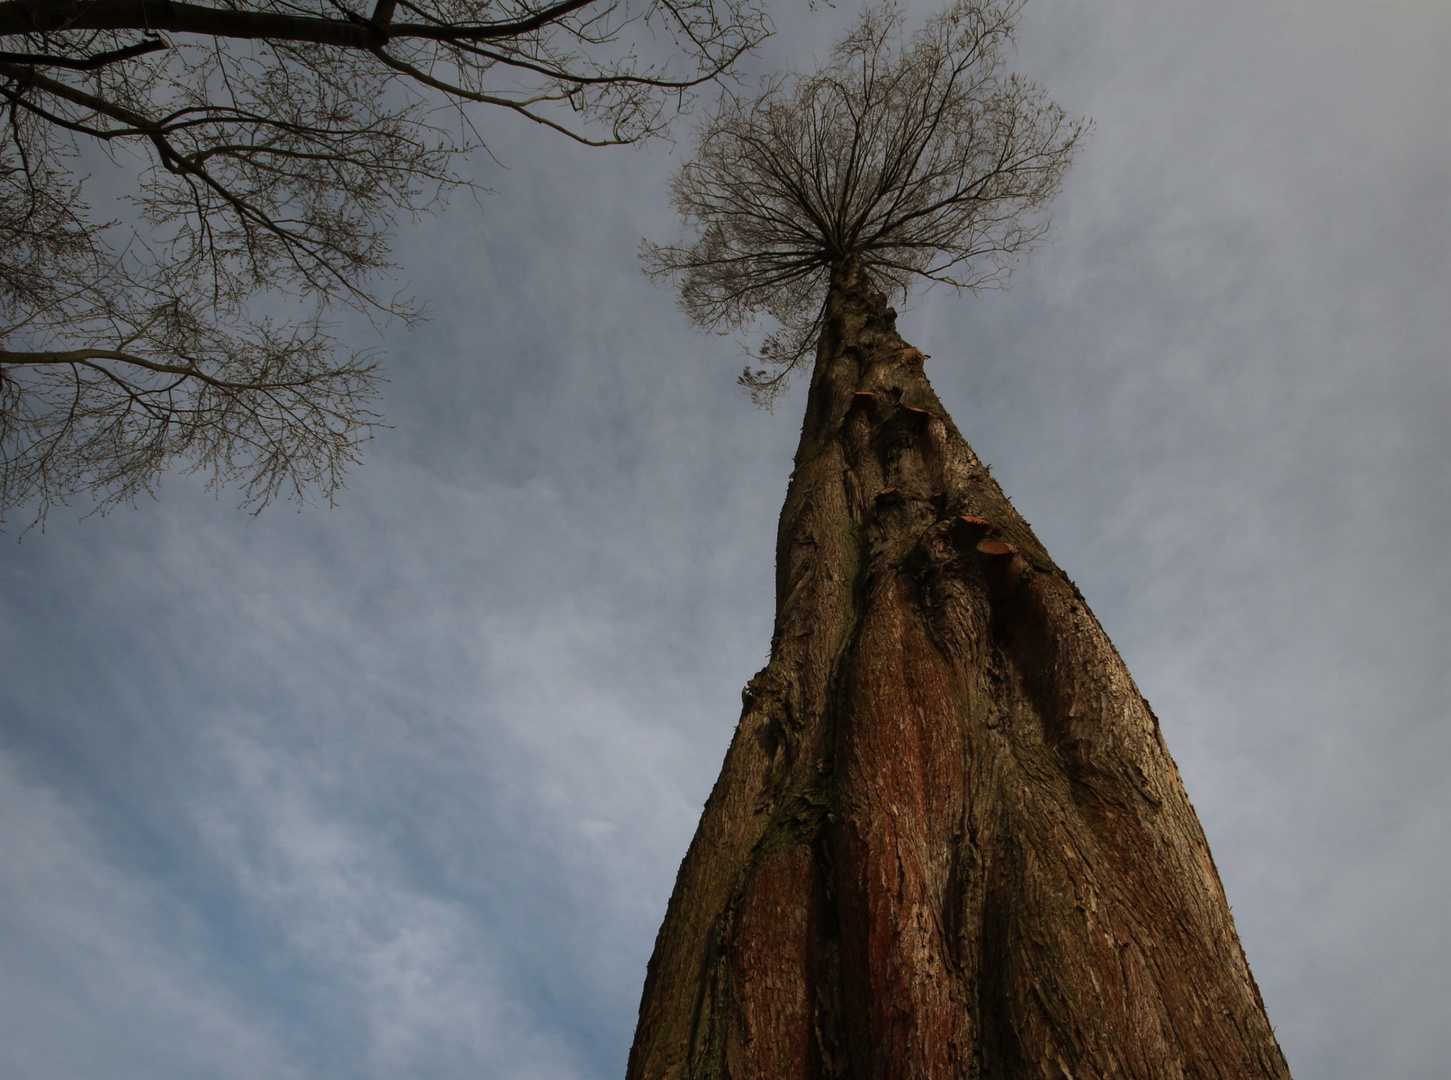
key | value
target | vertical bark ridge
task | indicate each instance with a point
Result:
(947, 840)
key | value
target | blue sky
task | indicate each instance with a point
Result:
(399, 789)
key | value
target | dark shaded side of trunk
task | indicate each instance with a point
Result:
(948, 840)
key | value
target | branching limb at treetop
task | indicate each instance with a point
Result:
(923, 161)
(270, 145)
(947, 840)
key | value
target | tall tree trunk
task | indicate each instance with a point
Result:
(948, 840)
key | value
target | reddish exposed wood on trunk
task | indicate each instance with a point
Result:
(948, 840)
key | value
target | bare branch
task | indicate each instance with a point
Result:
(19, 17)
(272, 146)
(923, 161)
(89, 63)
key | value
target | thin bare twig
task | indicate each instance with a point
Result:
(921, 161)
(280, 141)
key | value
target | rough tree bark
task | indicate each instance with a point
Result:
(948, 839)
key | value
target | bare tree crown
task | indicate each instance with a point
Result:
(922, 160)
(271, 145)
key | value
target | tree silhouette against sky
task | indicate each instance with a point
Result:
(948, 839)
(269, 148)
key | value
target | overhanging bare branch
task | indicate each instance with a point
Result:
(281, 140)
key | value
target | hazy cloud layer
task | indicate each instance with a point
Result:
(400, 789)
